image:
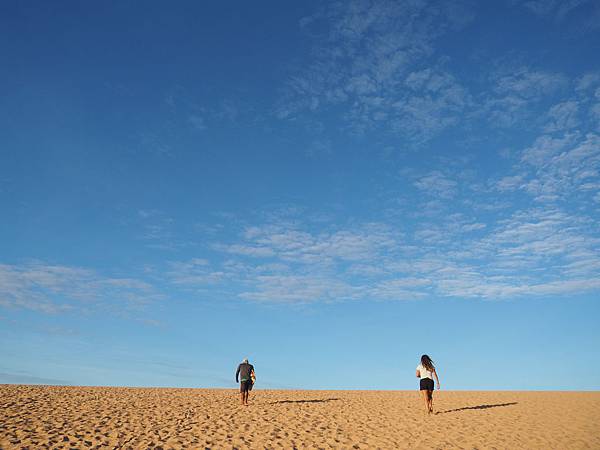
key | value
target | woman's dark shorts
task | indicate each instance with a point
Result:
(246, 386)
(426, 384)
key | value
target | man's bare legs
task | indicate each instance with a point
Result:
(244, 398)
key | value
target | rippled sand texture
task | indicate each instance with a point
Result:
(94, 417)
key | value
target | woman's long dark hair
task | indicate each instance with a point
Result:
(427, 362)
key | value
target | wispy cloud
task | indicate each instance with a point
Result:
(197, 122)
(514, 95)
(536, 251)
(562, 116)
(564, 167)
(50, 288)
(370, 60)
(578, 17)
(299, 289)
(509, 182)
(437, 184)
(587, 89)
(196, 271)
(157, 230)
(540, 250)
(588, 81)
(529, 84)
(189, 108)
(545, 148)
(557, 9)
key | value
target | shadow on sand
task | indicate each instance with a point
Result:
(478, 407)
(325, 400)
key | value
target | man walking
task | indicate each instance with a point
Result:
(245, 376)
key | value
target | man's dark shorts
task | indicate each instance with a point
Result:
(246, 386)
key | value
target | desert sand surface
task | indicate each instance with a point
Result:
(39, 417)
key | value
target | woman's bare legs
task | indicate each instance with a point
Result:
(425, 395)
(430, 401)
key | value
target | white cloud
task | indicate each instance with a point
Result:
(437, 184)
(562, 116)
(509, 183)
(152, 143)
(401, 289)
(157, 230)
(367, 61)
(300, 289)
(563, 166)
(534, 251)
(530, 84)
(558, 9)
(516, 94)
(54, 288)
(595, 113)
(587, 81)
(544, 148)
(197, 122)
(432, 105)
(543, 245)
(196, 272)
(294, 245)
(248, 250)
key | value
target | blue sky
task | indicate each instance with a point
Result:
(330, 189)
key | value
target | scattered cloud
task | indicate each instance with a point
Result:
(438, 185)
(509, 182)
(196, 271)
(544, 148)
(197, 122)
(529, 84)
(54, 289)
(562, 116)
(557, 9)
(299, 289)
(152, 143)
(458, 243)
(535, 251)
(544, 249)
(370, 60)
(157, 230)
(595, 113)
(564, 167)
(515, 94)
(587, 81)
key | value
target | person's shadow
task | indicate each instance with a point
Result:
(325, 400)
(465, 408)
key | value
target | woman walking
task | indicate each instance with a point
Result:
(426, 372)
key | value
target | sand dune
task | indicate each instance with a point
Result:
(37, 417)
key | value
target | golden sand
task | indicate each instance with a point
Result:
(37, 417)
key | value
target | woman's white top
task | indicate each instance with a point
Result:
(425, 373)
